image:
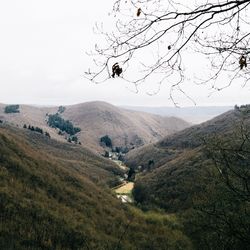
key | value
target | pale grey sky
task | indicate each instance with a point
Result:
(42, 58)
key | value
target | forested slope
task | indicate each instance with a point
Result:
(56, 196)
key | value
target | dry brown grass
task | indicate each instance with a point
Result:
(125, 189)
(96, 119)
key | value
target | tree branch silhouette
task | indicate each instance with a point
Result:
(151, 38)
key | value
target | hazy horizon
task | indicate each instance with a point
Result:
(118, 105)
(43, 59)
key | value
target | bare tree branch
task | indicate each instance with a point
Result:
(151, 37)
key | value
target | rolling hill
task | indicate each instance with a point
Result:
(188, 139)
(194, 115)
(203, 174)
(55, 195)
(126, 128)
(171, 167)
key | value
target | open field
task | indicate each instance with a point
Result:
(125, 189)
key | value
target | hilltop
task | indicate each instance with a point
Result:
(188, 139)
(194, 115)
(126, 128)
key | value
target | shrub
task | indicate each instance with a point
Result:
(61, 109)
(11, 109)
(74, 139)
(47, 134)
(106, 141)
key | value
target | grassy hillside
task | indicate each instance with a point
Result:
(125, 127)
(173, 185)
(203, 174)
(187, 139)
(178, 161)
(80, 159)
(96, 119)
(55, 196)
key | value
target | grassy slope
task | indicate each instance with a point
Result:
(180, 171)
(125, 127)
(189, 138)
(53, 196)
(96, 119)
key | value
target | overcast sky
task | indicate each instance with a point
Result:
(43, 59)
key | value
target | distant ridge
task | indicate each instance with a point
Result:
(126, 128)
(195, 115)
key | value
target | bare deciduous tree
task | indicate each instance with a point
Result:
(153, 39)
(232, 159)
(221, 218)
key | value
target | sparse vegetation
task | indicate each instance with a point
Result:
(106, 154)
(36, 129)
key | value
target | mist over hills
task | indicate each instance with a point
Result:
(194, 115)
(126, 128)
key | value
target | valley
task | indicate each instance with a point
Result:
(124, 192)
(61, 194)
(124, 189)
(57, 195)
(125, 125)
